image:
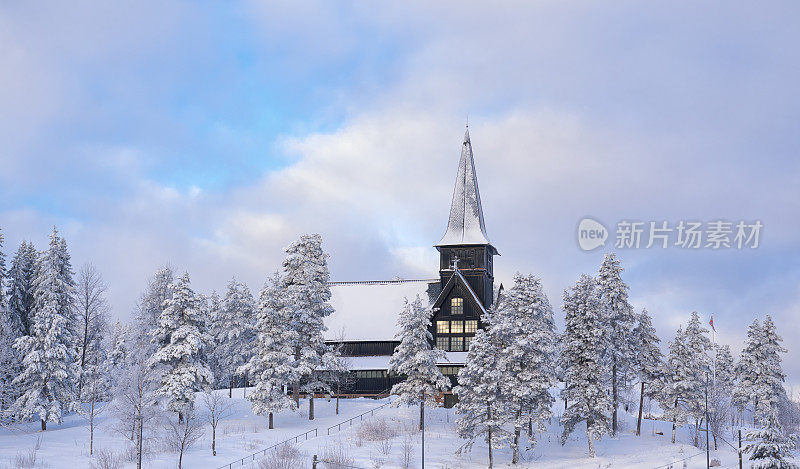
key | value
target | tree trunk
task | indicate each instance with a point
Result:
(489, 417)
(271, 426)
(180, 417)
(641, 404)
(674, 421)
(180, 459)
(421, 414)
(213, 440)
(91, 429)
(230, 388)
(590, 439)
(311, 406)
(44, 425)
(296, 394)
(565, 404)
(614, 398)
(515, 454)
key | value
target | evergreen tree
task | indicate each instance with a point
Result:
(770, 448)
(306, 297)
(50, 372)
(213, 316)
(585, 370)
(151, 306)
(759, 371)
(619, 319)
(271, 367)
(234, 325)
(181, 330)
(22, 276)
(723, 382)
(649, 361)
(10, 330)
(523, 324)
(481, 400)
(415, 359)
(118, 345)
(699, 347)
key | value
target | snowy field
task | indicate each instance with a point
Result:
(380, 441)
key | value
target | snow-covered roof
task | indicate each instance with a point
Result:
(382, 362)
(369, 310)
(465, 225)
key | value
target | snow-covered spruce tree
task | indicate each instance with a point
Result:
(684, 381)
(719, 398)
(213, 316)
(150, 307)
(305, 299)
(234, 327)
(92, 311)
(480, 406)
(648, 361)
(620, 320)
(118, 348)
(585, 370)
(772, 376)
(770, 448)
(271, 367)
(415, 359)
(10, 331)
(523, 324)
(22, 277)
(50, 371)
(181, 331)
(700, 349)
(748, 370)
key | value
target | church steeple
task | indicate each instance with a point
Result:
(465, 225)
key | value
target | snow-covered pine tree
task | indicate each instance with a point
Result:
(699, 346)
(213, 316)
(620, 320)
(306, 297)
(118, 347)
(523, 324)
(723, 382)
(234, 324)
(271, 367)
(771, 380)
(92, 311)
(22, 277)
(415, 359)
(748, 370)
(585, 369)
(480, 406)
(150, 307)
(181, 331)
(684, 381)
(648, 361)
(10, 331)
(50, 371)
(770, 448)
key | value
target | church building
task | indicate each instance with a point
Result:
(364, 323)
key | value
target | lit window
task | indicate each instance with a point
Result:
(456, 344)
(449, 370)
(442, 343)
(467, 341)
(456, 327)
(470, 326)
(442, 327)
(457, 306)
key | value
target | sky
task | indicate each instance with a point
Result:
(209, 135)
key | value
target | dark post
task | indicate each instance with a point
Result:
(314, 462)
(740, 448)
(139, 443)
(708, 424)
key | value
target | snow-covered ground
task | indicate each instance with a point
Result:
(65, 446)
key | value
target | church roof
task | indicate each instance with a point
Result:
(465, 225)
(369, 310)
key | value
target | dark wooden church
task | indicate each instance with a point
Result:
(364, 324)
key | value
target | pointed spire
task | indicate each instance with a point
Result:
(465, 225)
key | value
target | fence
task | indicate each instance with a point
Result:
(296, 439)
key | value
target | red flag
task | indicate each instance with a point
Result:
(712, 323)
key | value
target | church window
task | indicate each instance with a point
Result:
(442, 343)
(456, 327)
(470, 326)
(442, 327)
(457, 306)
(456, 344)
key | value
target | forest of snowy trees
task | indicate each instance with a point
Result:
(59, 353)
